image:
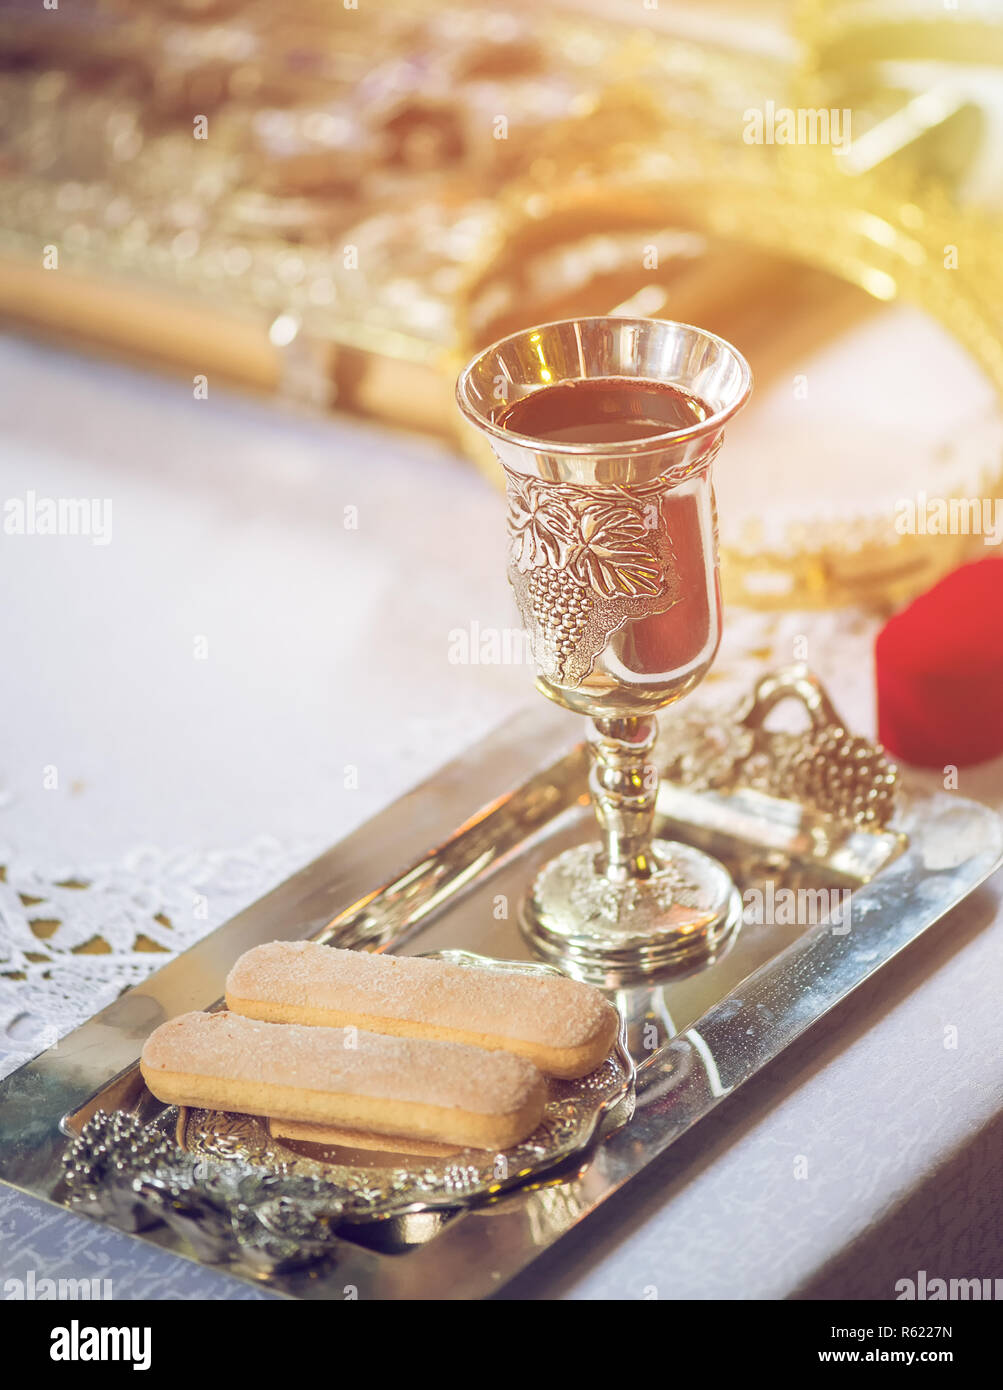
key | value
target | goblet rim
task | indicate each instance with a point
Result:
(651, 445)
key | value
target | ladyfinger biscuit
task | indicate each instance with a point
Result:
(334, 1135)
(400, 1086)
(566, 1028)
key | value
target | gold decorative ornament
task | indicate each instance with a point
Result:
(339, 206)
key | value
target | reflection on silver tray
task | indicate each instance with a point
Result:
(473, 838)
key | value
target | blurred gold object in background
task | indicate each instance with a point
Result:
(340, 206)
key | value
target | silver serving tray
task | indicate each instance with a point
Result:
(461, 851)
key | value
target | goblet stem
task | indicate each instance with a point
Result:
(624, 785)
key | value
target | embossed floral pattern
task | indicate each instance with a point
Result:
(583, 560)
(603, 539)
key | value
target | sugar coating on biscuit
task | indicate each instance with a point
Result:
(342, 1060)
(550, 1010)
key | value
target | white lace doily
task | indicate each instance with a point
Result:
(72, 938)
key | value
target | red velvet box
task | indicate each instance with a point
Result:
(940, 671)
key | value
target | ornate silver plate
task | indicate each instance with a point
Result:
(371, 1186)
(241, 1195)
(467, 845)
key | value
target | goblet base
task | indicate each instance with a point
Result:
(679, 919)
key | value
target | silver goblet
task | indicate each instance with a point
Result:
(606, 429)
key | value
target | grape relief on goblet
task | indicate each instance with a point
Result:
(583, 561)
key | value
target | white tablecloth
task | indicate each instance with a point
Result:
(180, 707)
